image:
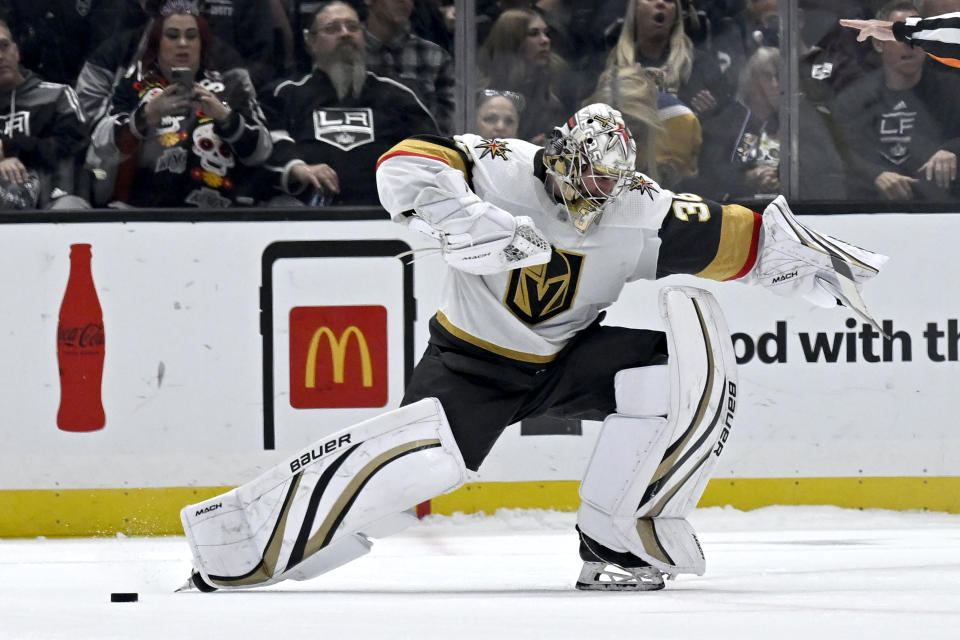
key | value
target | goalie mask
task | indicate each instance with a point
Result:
(592, 159)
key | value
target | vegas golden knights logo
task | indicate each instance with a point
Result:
(538, 293)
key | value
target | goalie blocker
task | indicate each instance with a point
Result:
(318, 508)
(475, 236)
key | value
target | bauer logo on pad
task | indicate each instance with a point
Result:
(338, 357)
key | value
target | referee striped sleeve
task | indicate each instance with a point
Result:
(938, 36)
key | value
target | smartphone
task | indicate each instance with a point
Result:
(183, 76)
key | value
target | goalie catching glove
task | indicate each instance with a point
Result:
(476, 236)
(795, 260)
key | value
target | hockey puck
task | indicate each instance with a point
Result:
(124, 597)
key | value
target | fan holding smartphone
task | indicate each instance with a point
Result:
(180, 129)
(182, 76)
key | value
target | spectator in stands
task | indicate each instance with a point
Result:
(428, 22)
(428, 19)
(830, 65)
(901, 124)
(104, 67)
(754, 161)
(829, 58)
(180, 130)
(498, 113)
(395, 52)
(678, 146)
(517, 56)
(653, 36)
(118, 55)
(331, 125)
(300, 13)
(56, 35)
(741, 151)
(633, 91)
(564, 32)
(284, 40)
(106, 64)
(41, 133)
(449, 15)
(666, 131)
(934, 8)
(937, 32)
(247, 26)
(756, 25)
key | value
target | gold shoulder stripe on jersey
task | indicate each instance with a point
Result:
(424, 149)
(738, 236)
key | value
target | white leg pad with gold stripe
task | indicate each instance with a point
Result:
(648, 472)
(317, 509)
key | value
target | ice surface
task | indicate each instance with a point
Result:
(778, 572)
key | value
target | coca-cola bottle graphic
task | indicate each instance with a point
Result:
(80, 348)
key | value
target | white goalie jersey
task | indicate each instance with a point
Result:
(529, 314)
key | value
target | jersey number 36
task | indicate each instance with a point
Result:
(689, 205)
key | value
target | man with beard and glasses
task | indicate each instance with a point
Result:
(331, 125)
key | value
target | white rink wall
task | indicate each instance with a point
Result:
(183, 383)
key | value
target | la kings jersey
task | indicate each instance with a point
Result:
(530, 314)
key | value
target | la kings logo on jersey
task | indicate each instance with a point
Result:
(538, 293)
(345, 129)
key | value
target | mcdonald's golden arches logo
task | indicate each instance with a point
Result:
(338, 357)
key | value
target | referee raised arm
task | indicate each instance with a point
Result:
(938, 36)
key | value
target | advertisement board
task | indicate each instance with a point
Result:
(228, 342)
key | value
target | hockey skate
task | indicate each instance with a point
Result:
(196, 581)
(607, 570)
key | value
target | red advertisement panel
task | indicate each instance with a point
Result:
(338, 357)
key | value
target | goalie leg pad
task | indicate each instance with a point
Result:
(647, 473)
(628, 448)
(314, 511)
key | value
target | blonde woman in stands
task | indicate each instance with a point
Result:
(653, 37)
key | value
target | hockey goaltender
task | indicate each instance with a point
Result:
(540, 241)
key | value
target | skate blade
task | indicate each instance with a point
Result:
(600, 576)
(618, 586)
(186, 586)
(196, 583)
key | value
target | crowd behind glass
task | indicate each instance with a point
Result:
(176, 103)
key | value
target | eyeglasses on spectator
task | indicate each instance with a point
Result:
(516, 98)
(333, 28)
